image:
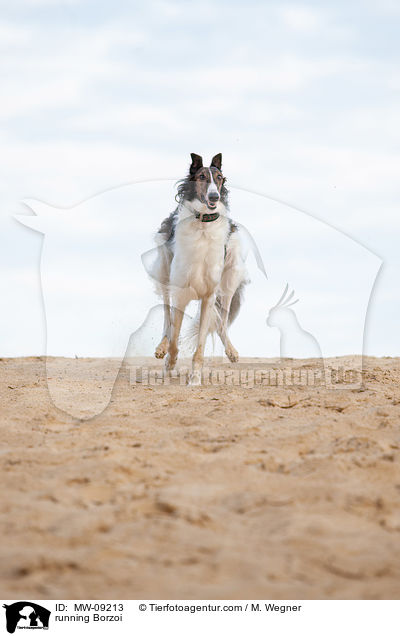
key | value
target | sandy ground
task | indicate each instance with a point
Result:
(210, 492)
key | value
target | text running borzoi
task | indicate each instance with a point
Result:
(199, 258)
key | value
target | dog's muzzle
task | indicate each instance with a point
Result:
(212, 200)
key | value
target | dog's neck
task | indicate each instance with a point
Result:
(207, 217)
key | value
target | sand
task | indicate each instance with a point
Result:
(288, 492)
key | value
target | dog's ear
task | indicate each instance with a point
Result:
(197, 163)
(217, 161)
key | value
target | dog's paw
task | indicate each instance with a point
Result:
(162, 348)
(195, 379)
(232, 354)
(170, 363)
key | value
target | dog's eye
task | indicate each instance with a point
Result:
(219, 177)
(202, 177)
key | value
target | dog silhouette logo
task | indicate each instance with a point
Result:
(26, 615)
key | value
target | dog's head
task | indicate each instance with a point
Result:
(205, 183)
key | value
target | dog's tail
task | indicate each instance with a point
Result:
(188, 340)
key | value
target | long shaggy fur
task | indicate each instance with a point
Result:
(199, 258)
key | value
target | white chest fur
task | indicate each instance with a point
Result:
(199, 252)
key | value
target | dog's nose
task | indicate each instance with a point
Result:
(213, 197)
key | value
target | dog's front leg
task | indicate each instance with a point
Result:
(198, 358)
(179, 301)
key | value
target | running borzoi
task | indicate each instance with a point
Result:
(199, 258)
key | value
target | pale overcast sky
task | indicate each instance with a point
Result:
(302, 99)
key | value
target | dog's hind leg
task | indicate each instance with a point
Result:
(161, 273)
(228, 305)
(230, 293)
(198, 358)
(223, 310)
(162, 348)
(180, 300)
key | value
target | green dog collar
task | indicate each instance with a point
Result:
(207, 218)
